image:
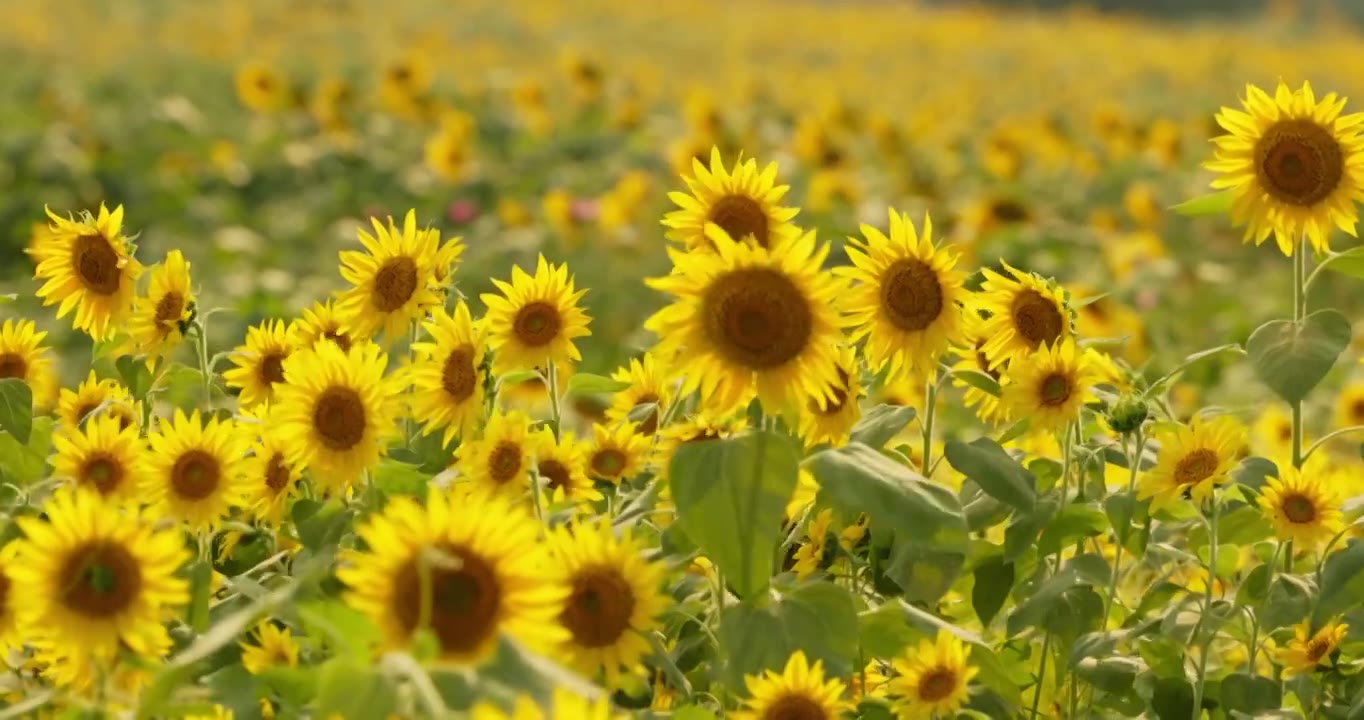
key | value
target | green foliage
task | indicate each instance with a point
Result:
(16, 409)
(1292, 358)
(881, 423)
(818, 618)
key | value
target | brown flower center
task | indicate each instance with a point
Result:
(650, 424)
(96, 264)
(464, 604)
(339, 418)
(84, 410)
(12, 365)
(103, 471)
(100, 579)
(1054, 390)
(1299, 162)
(555, 473)
(1008, 211)
(169, 309)
(1298, 508)
(1356, 413)
(459, 377)
(795, 707)
(394, 283)
(840, 398)
(504, 462)
(1196, 467)
(756, 318)
(1319, 647)
(537, 324)
(276, 473)
(195, 475)
(271, 368)
(1036, 318)
(341, 339)
(740, 216)
(911, 296)
(599, 607)
(607, 463)
(937, 684)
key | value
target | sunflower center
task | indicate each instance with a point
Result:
(195, 475)
(740, 216)
(12, 365)
(96, 264)
(1036, 318)
(394, 283)
(82, 411)
(465, 599)
(840, 396)
(1299, 509)
(504, 462)
(1299, 162)
(341, 339)
(276, 473)
(104, 472)
(983, 361)
(1055, 389)
(1008, 211)
(1196, 467)
(795, 707)
(599, 608)
(555, 472)
(757, 318)
(169, 308)
(537, 324)
(1357, 410)
(650, 424)
(1319, 648)
(271, 369)
(937, 684)
(458, 377)
(339, 418)
(100, 579)
(911, 296)
(608, 462)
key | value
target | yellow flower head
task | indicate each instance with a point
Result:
(194, 473)
(619, 452)
(988, 407)
(535, 319)
(1308, 650)
(799, 690)
(1050, 386)
(104, 395)
(320, 322)
(561, 466)
(1192, 460)
(743, 202)
(650, 384)
(1302, 506)
(393, 280)
(274, 646)
(833, 422)
(24, 357)
(87, 265)
(261, 88)
(1024, 312)
(105, 456)
(271, 479)
(447, 377)
(500, 459)
(260, 362)
(158, 321)
(933, 678)
(566, 706)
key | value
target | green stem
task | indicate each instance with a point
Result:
(1056, 564)
(1134, 465)
(1330, 436)
(553, 382)
(201, 344)
(930, 404)
(1206, 644)
(1041, 675)
(408, 425)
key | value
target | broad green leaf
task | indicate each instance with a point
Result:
(353, 690)
(1253, 471)
(984, 512)
(589, 384)
(26, 463)
(324, 527)
(978, 380)
(135, 376)
(513, 666)
(994, 580)
(343, 629)
(1216, 203)
(881, 423)
(1250, 694)
(1073, 523)
(818, 618)
(1088, 569)
(296, 685)
(1292, 358)
(731, 495)
(398, 478)
(1115, 674)
(1254, 588)
(1342, 583)
(1349, 262)
(236, 689)
(1172, 699)
(1022, 533)
(16, 409)
(1015, 431)
(995, 471)
(1290, 600)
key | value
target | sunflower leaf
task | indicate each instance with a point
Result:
(881, 423)
(1291, 358)
(978, 380)
(16, 409)
(589, 384)
(995, 471)
(1342, 582)
(1216, 203)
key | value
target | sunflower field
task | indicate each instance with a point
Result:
(708, 359)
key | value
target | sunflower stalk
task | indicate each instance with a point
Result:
(1066, 462)
(1134, 454)
(1205, 644)
(930, 404)
(205, 368)
(552, 381)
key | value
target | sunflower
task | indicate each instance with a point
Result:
(194, 472)
(500, 459)
(619, 452)
(320, 322)
(260, 362)
(261, 88)
(1192, 460)
(274, 646)
(88, 266)
(11, 637)
(1272, 433)
(802, 498)
(485, 571)
(106, 396)
(1307, 650)
(336, 410)
(271, 479)
(988, 407)
(933, 679)
(1024, 312)
(447, 154)
(95, 578)
(1050, 386)
(159, 321)
(613, 602)
(561, 465)
(742, 202)
(1295, 166)
(1301, 507)
(810, 555)
(535, 319)
(649, 384)
(447, 377)
(798, 691)
(1350, 406)
(566, 706)
(905, 295)
(24, 357)
(697, 428)
(745, 319)
(835, 420)
(104, 456)
(392, 281)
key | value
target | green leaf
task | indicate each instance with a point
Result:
(1290, 600)
(1292, 358)
(26, 463)
(1019, 537)
(1115, 674)
(135, 376)
(201, 591)
(693, 712)
(517, 377)
(995, 471)
(1216, 203)
(1342, 583)
(343, 629)
(994, 579)
(589, 384)
(1089, 569)
(296, 685)
(351, 689)
(1349, 262)
(1250, 694)
(731, 495)
(324, 527)
(1015, 431)
(1252, 471)
(16, 409)
(818, 618)
(1074, 522)
(391, 477)
(978, 380)
(881, 423)
(1172, 699)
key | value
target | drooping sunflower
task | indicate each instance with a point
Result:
(649, 385)
(535, 319)
(93, 577)
(1294, 164)
(988, 407)
(274, 646)
(88, 266)
(1308, 650)
(272, 481)
(934, 678)
(335, 411)
(393, 279)
(260, 362)
(561, 466)
(1051, 385)
(106, 396)
(743, 202)
(835, 420)
(158, 321)
(486, 570)
(1024, 312)
(614, 598)
(23, 356)
(1192, 460)
(320, 322)
(194, 472)
(500, 459)
(566, 705)
(906, 294)
(447, 379)
(798, 691)
(1301, 507)
(104, 456)
(745, 320)
(619, 452)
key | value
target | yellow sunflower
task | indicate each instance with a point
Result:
(159, 321)
(103, 456)
(1308, 650)
(807, 487)
(745, 319)
(535, 319)
(561, 465)
(649, 385)
(1301, 506)
(614, 599)
(447, 377)
(499, 460)
(1192, 460)
(1294, 164)
(905, 298)
(24, 357)
(743, 202)
(619, 452)
(274, 646)
(95, 578)
(1024, 312)
(106, 396)
(566, 706)
(798, 691)
(392, 281)
(934, 678)
(88, 266)
(320, 322)
(336, 410)
(476, 567)
(810, 555)
(11, 636)
(988, 407)
(833, 422)
(447, 154)
(271, 479)
(260, 362)
(261, 88)
(194, 473)
(1272, 433)
(1050, 386)
(1350, 406)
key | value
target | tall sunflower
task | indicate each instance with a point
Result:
(319, 323)
(499, 460)
(158, 322)
(476, 567)
(88, 266)
(1024, 312)
(1308, 650)
(832, 422)
(618, 453)
(194, 472)
(260, 362)
(798, 691)
(743, 202)
(393, 280)
(1294, 164)
(906, 294)
(1192, 460)
(94, 578)
(745, 319)
(972, 357)
(649, 384)
(535, 319)
(614, 598)
(447, 377)
(104, 456)
(336, 410)
(934, 678)
(272, 481)
(561, 466)
(23, 356)
(1302, 507)
(107, 396)
(1051, 385)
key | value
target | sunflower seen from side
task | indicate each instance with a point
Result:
(833, 422)
(259, 363)
(392, 279)
(447, 376)
(87, 265)
(1307, 651)
(1050, 386)
(159, 320)
(320, 323)
(742, 201)
(533, 319)
(194, 471)
(1301, 506)
(648, 396)
(23, 356)
(799, 692)
(561, 466)
(619, 452)
(94, 394)
(1193, 460)
(1023, 313)
(104, 456)
(933, 679)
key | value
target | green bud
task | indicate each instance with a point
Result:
(1127, 414)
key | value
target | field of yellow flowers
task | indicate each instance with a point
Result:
(783, 361)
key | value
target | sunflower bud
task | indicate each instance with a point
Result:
(1127, 414)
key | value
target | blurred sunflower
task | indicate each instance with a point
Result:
(649, 384)
(561, 465)
(1272, 433)
(392, 280)
(11, 636)
(832, 422)
(447, 154)
(1308, 650)
(1025, 312)
(262, 88)
(535, 319)
(271, 480)
(934, 678)
(104, 456)
(260, 362)
(811, 555)
(274, 646)
(566, 705)
(159, 321)
(88, 266)
(320, 322)
(194, 472)
(1193, 459)
(1302, 508)
(24, 357)
(499, 460)
(1350, 406)
(619, 452)
(798, 691)
(742, 202)
(105, 395)
(330, 100)
(447, 376)
(1051, 385)
(988, 406)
